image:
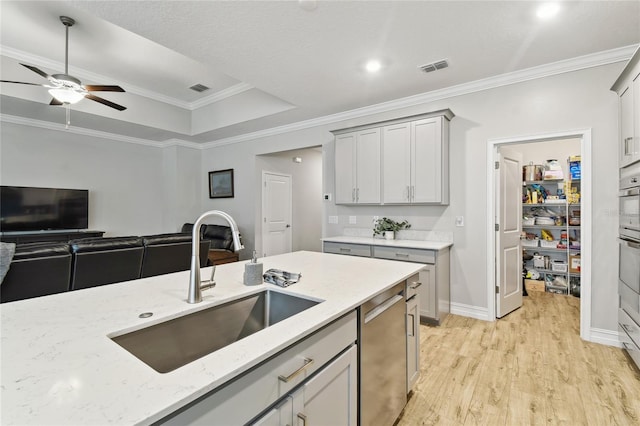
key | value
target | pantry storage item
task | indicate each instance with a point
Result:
(554, 236)
(532, 172)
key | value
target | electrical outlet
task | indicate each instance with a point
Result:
(326, 197)
(459, 220)
(353, 220)
(333, 219)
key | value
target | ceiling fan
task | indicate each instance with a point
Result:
(65, 88)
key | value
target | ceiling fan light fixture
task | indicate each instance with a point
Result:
(66, 96)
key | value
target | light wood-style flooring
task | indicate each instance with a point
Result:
(530, 367)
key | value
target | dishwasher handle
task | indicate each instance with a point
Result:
(378, 310)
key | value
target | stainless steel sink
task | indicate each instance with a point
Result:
(177, 342)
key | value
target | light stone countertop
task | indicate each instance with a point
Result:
(59, 367)
(417, 244)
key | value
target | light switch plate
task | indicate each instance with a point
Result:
(459, 220)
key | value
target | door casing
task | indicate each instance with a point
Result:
(585, 202)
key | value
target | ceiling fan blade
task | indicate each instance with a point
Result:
(54, 101)
(36, 70)
(102, 88)
(105, 102)
(21, 82)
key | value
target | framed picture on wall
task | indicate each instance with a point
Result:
(221, 184)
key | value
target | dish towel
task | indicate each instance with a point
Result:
(281, 278)
(6, 255)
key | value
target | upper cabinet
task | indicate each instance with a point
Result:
(628, 88)
(403, 161)
(358, 167)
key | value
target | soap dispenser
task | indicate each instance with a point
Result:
(253, 271)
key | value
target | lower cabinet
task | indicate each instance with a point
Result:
(413, 341)
(328, 398)
(314, 378)
(435, 290)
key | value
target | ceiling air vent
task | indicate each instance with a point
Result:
(438, 65)
(199, 88)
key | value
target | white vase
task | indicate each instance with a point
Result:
(389, 235)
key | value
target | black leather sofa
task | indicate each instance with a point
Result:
(37, 269)
(220, 236)
(40, 269)
(166, 253)
(100, 261)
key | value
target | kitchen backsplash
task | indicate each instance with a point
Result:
(405, 234)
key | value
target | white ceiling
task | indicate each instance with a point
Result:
(273, 63)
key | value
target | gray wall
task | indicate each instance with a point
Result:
(306, 191)
(127, 182)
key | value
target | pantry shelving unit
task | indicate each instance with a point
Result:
(561, 270)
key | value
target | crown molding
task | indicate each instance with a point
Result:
(555, 68)
(94, 133)
(220, 95)
(83, 74)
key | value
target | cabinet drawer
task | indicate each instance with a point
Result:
(628, 344)
(629, 326)
(346, 248)
(629, 301)
(405, 254)
(240, 400)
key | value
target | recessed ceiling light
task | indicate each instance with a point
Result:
(548, 10)
(373, 65)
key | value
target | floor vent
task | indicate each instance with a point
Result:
(199, 87)
(434, 66)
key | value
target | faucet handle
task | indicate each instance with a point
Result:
(210, 283)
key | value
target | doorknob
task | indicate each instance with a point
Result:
(288, 226)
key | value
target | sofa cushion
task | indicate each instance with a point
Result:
(103, 244)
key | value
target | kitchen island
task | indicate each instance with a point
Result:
(59, 365)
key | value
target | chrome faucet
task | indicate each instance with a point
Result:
(195, 286)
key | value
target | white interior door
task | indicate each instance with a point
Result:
(509, 253)
(276, 214)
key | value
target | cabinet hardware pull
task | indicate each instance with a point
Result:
(357, 194)
(345, 249)
(413, 193)
(413, 325)
(627, 328)
(353, 194)
(303, 418)
(287, 379)
(402, 254)
(408, 194)
(415, 284)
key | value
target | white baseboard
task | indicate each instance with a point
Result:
(605, 337)
(470, 311)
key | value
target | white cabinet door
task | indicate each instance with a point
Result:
(368, 167)
(331, 397)
(627, 145)
(396, 164)
(345, 164)
(636, 116)
(428, 296)
(413, 341)
(427, 160)
(357, 163)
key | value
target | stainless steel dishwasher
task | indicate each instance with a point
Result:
(383, 357)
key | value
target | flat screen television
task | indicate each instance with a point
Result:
(43, 209)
